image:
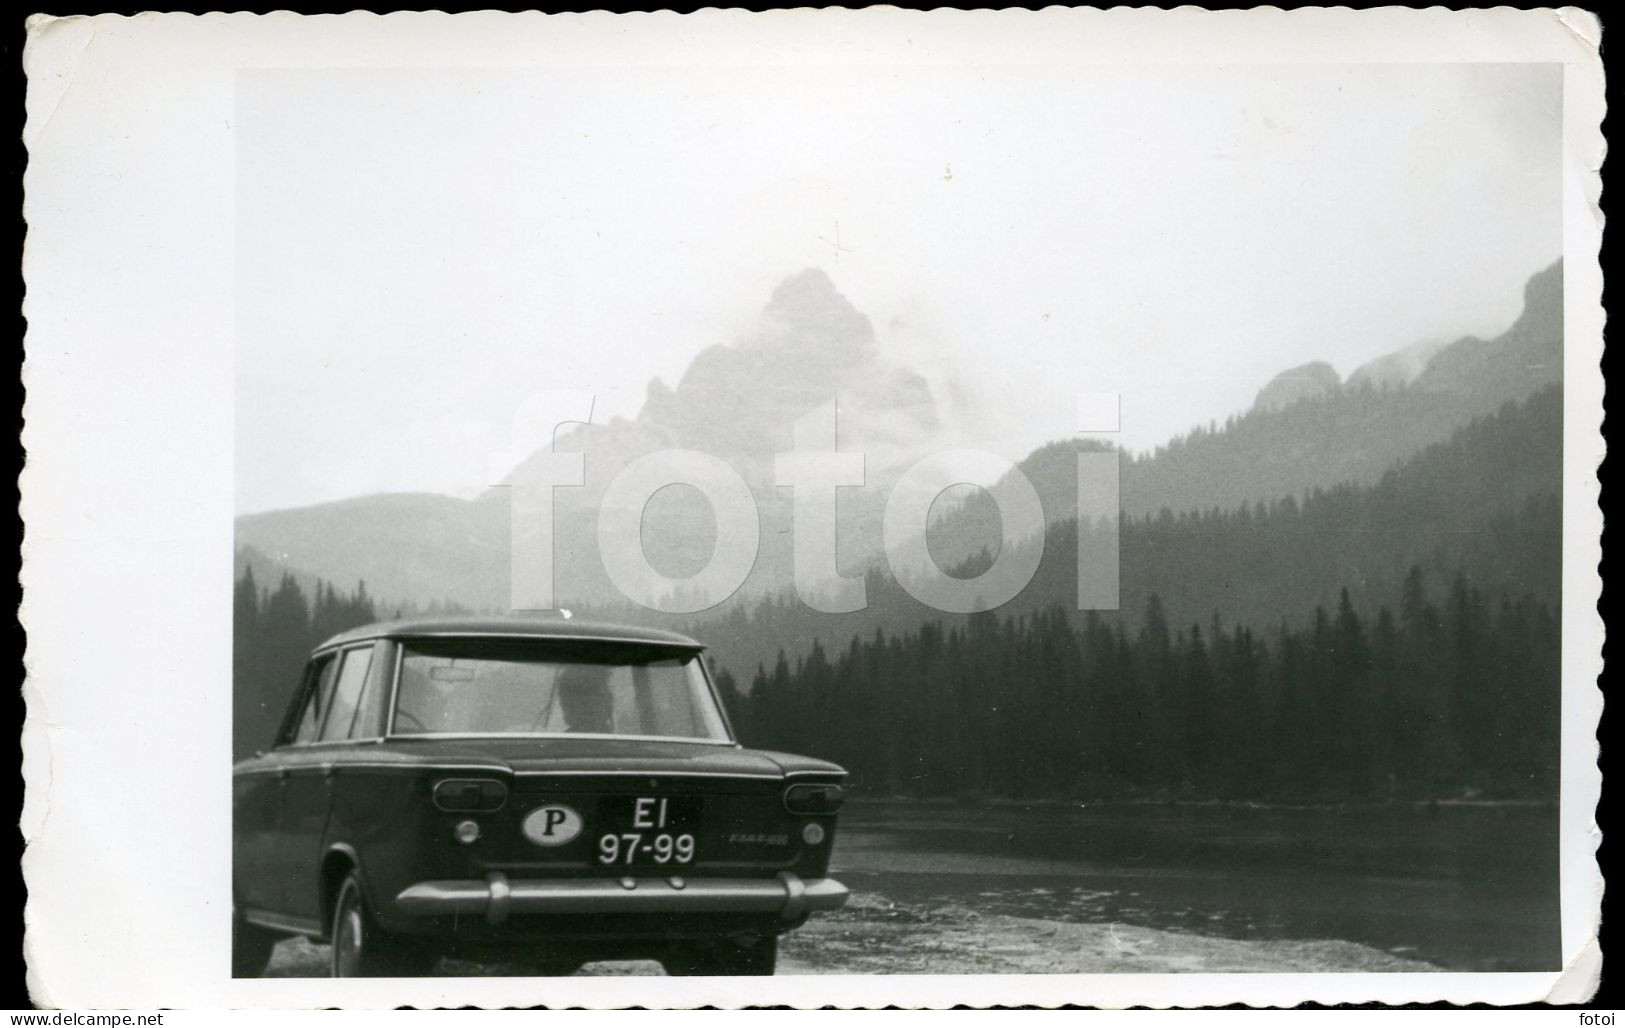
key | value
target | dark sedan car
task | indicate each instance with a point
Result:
(550, 791)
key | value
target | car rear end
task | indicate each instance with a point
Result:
(605, 863)
(582, 793)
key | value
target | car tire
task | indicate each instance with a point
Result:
(361, 949)
(251, 948)
(757, 956)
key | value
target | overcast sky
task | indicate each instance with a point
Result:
(418, 250)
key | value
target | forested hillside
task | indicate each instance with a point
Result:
(1395, 639)
(1485, 501)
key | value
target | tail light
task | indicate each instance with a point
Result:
(470, 795)
(813, 798)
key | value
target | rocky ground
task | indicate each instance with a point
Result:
(877, 935)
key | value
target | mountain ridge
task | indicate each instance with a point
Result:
(415, 548)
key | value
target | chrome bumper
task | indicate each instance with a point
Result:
(496, 898)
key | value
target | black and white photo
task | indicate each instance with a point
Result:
(713, 502)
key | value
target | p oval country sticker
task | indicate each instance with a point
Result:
(552, 825)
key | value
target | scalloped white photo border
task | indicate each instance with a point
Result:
(128, 482)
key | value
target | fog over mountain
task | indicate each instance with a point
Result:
(1399, 368)
(1188, 233)
(809, 346)
(739, 401)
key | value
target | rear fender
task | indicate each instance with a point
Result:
(340, 860)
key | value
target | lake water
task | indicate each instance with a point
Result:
(1466, 887)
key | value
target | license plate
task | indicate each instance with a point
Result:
(650, 831)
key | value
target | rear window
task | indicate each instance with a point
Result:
(464, 688)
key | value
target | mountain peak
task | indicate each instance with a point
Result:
(1397, 369)
(1297, 384)
(811, 313)
(808, 346)
(809, 286)
(1545, 286)
(1521, 359)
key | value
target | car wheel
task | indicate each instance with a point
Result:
(756, 956)
(363, 950)
(251, 948)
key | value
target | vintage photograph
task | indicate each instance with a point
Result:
(1005, 507)
(1312, 316)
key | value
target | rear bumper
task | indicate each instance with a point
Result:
(497, 898)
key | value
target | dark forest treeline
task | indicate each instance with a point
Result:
(273, 632)
(1440, 696)
(1455, 694)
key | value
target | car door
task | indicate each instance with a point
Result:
(309, 793)
(371, 803)
(260, 794)
(302, 794)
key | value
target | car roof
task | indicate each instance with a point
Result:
(513, 627)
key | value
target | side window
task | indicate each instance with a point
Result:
(347, 694)
(369, 719)
(320, 688)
